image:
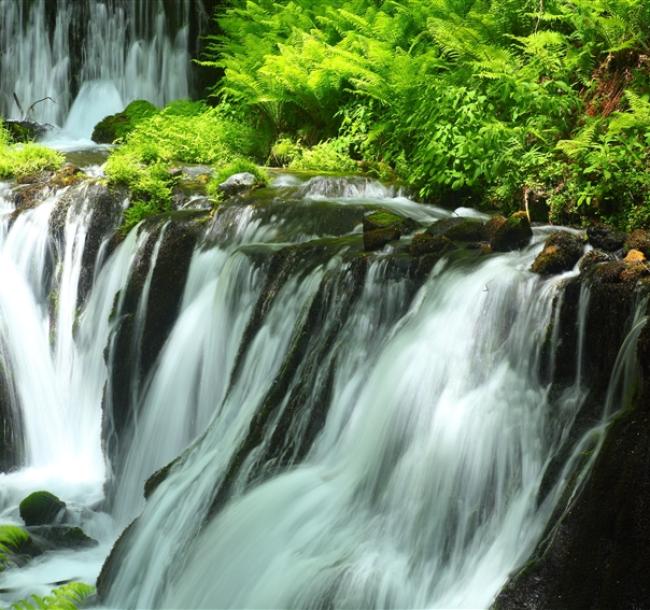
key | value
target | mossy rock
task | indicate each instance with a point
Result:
(468, 230)
(381, 227)
(605, 238)
(24, 131)
(561, 252)
(50, 537)
(512, 234)
(40, 508)
(425, 243)
(116, 126)
(638, 240)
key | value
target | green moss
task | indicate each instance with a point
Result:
(183, 132)
(18, 160)
(118, 126)
(12, 538)
(40, 508)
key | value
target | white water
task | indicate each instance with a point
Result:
(127, 52)
(419, 491)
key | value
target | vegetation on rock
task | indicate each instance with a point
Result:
(19, 160)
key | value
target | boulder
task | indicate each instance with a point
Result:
(562, 250)
(638, 240)
(425, 243)
(51, 537)
(243, 181)
(460, 229)
(119, 125)
(40, 508)
(381, 227)
(512, 234)
(605, 238)
(536, 203)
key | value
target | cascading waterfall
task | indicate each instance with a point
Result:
(107, 52)
(342, 431)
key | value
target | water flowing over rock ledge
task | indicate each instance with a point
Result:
(262, 351)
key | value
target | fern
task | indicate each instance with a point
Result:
(67, 597)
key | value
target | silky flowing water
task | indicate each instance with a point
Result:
(362, 440)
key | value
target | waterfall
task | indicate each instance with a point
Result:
(335, 429)
(93, 57)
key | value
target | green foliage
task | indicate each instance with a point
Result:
(183, 132)
(237, 166)
(485, 97)
(329, 156)
(18, 160)
(67, 597)
(12, 538)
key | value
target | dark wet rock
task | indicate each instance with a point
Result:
(54, 537)
(11, 443)
(132, 356)
(597, 554)
(605, 238)
(41, 508)
(512, 234)
(459, 229)
(377, 239)
(638, 240)
(592, 258)
(25, 131)
(562, 250)
(152, 483)
(596, 549)
(425, 243)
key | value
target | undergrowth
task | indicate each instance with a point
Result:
(182, 133)
(17, 160)
(484, 98)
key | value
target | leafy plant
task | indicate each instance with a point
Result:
(66, 597)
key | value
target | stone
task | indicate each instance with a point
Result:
(378, 238)
(638, 240)
(425, 243)
(562, 250)
(512, 234)
(605, 238)
(40, 508)
(635, 256)
(237, 183)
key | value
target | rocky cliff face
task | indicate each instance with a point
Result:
(596, 551)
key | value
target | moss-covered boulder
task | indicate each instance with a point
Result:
(638, 240)
(52, 537)
(605, 238)
(381, 227)
(511, 234)
(116, 126)
(464, 230)
(424, 243)
(562, 250)
(40, 508)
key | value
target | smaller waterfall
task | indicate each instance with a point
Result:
(92, 57)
